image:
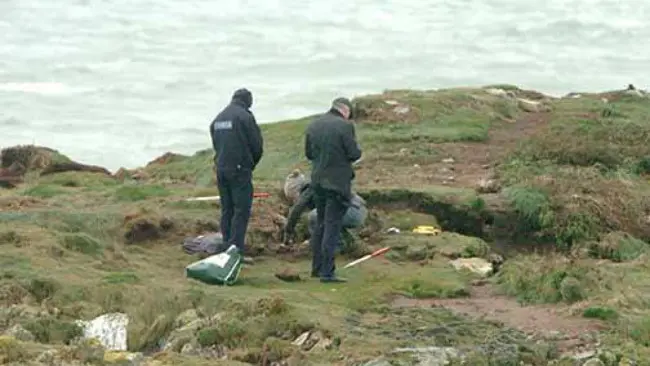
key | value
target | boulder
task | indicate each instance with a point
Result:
(109, 329)
(479, 266)
(530, 106)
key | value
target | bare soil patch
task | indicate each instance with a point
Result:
(549, 322)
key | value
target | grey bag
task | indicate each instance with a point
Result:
(205, 244)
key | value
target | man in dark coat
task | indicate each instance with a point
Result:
(331, 146)
(238, 146)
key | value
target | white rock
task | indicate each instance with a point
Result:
(496, 92)
(448, 160)
(432, 356)
(401, 110)
(477, 265)
(529, 105)
(109, 329)
(301, 339)
(391, 102)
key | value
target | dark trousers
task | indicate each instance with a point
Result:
(236, 198)
(330, 208)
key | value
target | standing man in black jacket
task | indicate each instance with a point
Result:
(331, 146)
(238, 146)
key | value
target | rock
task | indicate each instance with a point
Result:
(47, 357)
(313, 341)
(391, 102)
(529, 105)
(323, 344)
(123, 358)
(293, 185)
(288, 275)
(584, 355)
(186, 317)
(189, 349)
(448, 160)
(109, 329)
(486, 185)
(432, 356)
(378, 362)
(594, 362)
(402, 110)
(301, 339)
(20, 333)
(476, 265)
(496, 92)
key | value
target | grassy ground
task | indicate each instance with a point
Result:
(571, 173)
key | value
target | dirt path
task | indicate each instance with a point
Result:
(572, 334)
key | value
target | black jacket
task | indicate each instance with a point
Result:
(236, 137)
(331, 146)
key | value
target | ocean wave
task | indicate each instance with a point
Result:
(43, 88)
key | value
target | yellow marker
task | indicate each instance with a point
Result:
(428, 230)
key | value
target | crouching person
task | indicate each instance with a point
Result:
(354, 218)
